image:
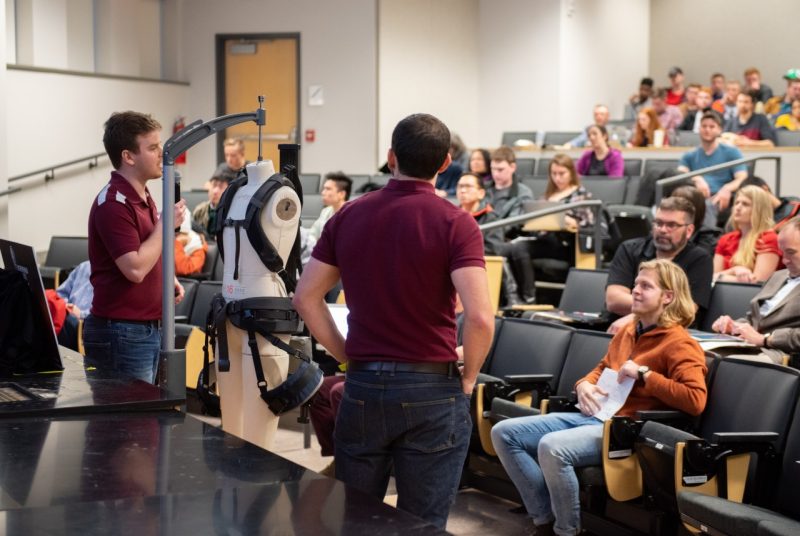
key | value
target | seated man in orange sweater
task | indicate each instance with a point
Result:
(540, 452)
(190, 248)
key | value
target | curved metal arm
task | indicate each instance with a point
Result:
(175, 381)
(595, 204)
(660, 184)
(198, 131)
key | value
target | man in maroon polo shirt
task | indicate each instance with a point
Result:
(402, 254)
(121, 335)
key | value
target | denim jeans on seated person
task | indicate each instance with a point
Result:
(417, 423)
(119, 349)
(559, 442)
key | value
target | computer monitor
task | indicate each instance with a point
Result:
(45, 355)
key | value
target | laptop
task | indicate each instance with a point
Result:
(22, 258)
(551, 222)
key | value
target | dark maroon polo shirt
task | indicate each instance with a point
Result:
(119, 222)
(395, 249)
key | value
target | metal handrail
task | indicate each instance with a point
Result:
(595, 204)
(719, 167)
(50, 171)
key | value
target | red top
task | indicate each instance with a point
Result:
(675, 98)
(767, 243)
(119, 222)
(395, 249)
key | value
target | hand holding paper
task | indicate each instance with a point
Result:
(617, 392)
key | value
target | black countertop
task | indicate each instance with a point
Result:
(167, 473)
(76, 390)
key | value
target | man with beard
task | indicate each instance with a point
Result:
(672, 228)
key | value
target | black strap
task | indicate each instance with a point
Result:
(236, 228)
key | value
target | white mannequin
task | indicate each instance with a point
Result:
(244, 413)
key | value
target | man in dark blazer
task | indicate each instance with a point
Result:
(773, 321)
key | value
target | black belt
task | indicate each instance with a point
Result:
(450, 368)
(153, 323)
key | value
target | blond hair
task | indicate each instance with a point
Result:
(234, 142)
(760, 220)
(671, 277)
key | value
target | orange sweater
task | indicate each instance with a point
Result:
(189, 264)
(678, 366)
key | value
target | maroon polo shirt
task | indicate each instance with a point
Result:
(395, 249)
(119, 222)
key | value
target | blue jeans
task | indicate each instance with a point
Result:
(121, 349)
(420, 423)
(559, 442)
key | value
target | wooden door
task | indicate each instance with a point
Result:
(260, 65)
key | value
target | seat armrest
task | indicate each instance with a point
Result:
(181, 319)
(735, 438)
(662, 415)
(522, 379)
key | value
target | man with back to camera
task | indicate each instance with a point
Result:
(402, 254)
(335, 193)
(121, 336)
(672, 227)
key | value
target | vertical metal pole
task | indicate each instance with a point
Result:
(172, 363)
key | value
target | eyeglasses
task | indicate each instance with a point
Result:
(668, 225)
(465, 186)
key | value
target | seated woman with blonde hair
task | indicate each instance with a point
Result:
(749, 253)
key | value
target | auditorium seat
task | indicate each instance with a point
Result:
(687, 138)
(310, 183)
(517, 140)
(586, 349)
(63, 254)
(610, 190)
(522, 347)
(558, 138)
(787, 138)
(732, 299)
(633, 221)
(525, 167)
(194, 197)
(779, 515)
(536, 183)
(633, 167)
(669, 460)
(656, 165)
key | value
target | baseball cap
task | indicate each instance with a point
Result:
(675, 71)
(792, 74)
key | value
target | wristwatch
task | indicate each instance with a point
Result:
(766, 339)
(644, 369)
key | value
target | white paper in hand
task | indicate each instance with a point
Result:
(617, 393)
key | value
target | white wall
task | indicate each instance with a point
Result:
(602, 56)
(428, 62)
(337, 51)
(518, 65)
(128, 37)
(62, 126)
(41, 33)
(720, 35)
